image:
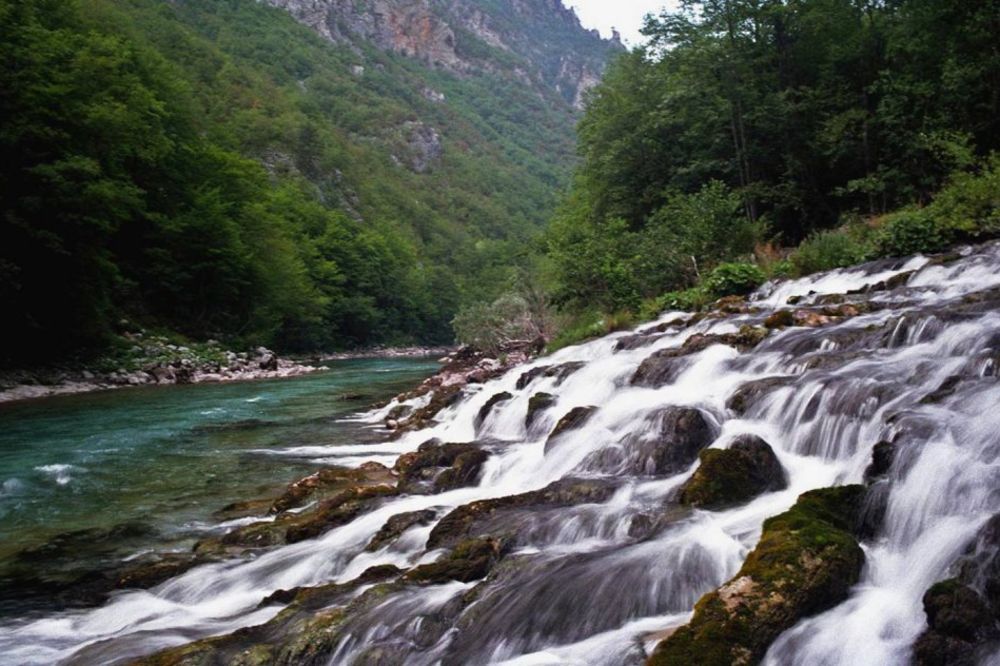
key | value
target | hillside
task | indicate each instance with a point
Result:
(222, 169)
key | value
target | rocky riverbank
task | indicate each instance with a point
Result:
(152, 360)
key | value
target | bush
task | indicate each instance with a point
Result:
(734, 279)
(490, 327)
(912, 231)
(970, 203)
(827, 250)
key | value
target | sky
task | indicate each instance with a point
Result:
(626, 15)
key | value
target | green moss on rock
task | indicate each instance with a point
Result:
(727, 477)
(806, 562)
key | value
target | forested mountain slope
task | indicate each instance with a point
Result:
(219, 168)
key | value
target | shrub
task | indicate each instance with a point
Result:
(827, 250)
(970, 203)
(490, 327)
(736, 279)
(912, 231)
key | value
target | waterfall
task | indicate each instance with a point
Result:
(599, 581)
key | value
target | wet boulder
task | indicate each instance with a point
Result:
(468, 561)
(330, 481)
(780, 319)
(750, 394)
(664, 366)
(436, 467)
(883, 454)
(396, 525)
(487, 408)
(636, 341)
(559, 372)
(959, 621)
(668, 443)
(492, 516)
(574, 419)
(806, 562)
(338, 510)
(441, 398)
(727, 477)
(537, 404)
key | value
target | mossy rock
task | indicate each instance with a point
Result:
(959, 621)
(727, 477)
(537, 404)
(806, 562)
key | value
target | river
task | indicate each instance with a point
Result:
(88, 480)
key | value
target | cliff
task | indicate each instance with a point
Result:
(538, 42)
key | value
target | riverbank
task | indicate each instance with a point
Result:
(154, 362)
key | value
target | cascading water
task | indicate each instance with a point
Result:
(607, 561)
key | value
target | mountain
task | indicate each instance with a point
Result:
(540, 43)
(307, 174)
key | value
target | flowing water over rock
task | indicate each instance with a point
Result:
(578, 542)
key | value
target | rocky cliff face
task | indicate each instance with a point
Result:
(540, 42)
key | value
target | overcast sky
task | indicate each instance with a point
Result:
(626, 15)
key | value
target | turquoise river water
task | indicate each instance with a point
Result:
(100, 477)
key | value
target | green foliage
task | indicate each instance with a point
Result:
(608, 264)
(826, 250)
(689, 300)
(911, 231)
(970, 202)
(589, 325)
(744, 122)
(217, 169)
(734, 279)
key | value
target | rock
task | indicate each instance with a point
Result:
(959, 620)
(398, 524)
(664, 366)
(750, 394)
(537, 404)
(636, 341)
(810, 318)
(471, 519)
(485, 410)
(806, 562)
(150, 574)
(328, 481)
(558, 372)
(669, 443)
(727, 477)
(342, 508)
(576, 418)
(946, 389)
(883, 454)
(436, 467)
(468, 561)
(268, 362)
(780, 319)
(441, 398)
(338, 511)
